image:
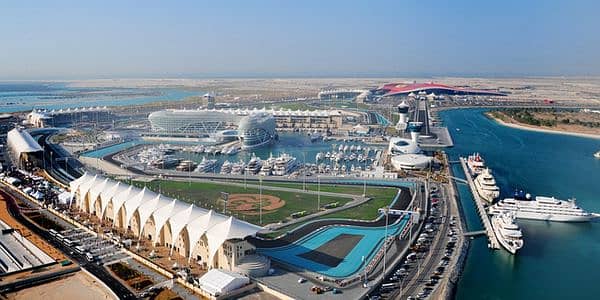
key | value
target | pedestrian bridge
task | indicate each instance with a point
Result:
(474, 233)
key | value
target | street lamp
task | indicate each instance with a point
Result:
(386, 212)
(260, 198)
(318, 192)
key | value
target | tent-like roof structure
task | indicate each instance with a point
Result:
(20, 141)
(218, 282)
(179, 216)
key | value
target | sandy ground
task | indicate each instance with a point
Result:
(78, 286)
(539, 129)
(564, 89)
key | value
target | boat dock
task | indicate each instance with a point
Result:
(493, 241)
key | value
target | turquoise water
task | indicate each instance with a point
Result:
(99, 153)
(558, 260)
(54, 95)
(368, 246)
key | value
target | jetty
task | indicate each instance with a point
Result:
(489, 231)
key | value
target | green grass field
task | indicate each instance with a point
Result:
(208, 195)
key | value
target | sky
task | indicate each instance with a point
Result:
(262, 38)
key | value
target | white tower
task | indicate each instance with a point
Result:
(403, 115)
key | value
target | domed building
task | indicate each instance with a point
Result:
(257, 129)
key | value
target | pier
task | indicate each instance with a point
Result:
(493, 241)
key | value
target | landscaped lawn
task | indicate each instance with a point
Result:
(208, 195)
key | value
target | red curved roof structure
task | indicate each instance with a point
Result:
(398, 89)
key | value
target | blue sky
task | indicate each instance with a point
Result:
(100, 39)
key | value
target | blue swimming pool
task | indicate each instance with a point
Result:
(99, 153)
(370, 242)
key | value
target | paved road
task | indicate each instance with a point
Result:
(97, 270)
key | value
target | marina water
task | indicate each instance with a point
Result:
(558, 260)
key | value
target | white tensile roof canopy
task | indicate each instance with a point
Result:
(179, 215)
(20, 141)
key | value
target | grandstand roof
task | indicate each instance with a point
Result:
(196, 221)
(394, 89)
(20, 141)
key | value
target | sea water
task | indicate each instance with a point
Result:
(558, 260)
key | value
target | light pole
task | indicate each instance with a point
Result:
(364, 186)
(386, 212)
(304, 171)
(260, 198)
(318, 192)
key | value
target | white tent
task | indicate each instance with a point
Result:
(219, 282)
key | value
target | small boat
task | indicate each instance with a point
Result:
(328, 154)
(341, 148)
(346, 148)
(352, 148)
(233, 150)
(319, 156)
(359, 148)
(315, 136)
(339, 157)
(597, 154)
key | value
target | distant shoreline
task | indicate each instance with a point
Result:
(544, 130)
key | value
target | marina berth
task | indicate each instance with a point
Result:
(542, 208)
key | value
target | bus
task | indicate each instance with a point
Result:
(79, 249)
(68, 242)
(52, 232)
(59, 237)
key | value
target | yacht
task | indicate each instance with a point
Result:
(486, 187)
(319, 156)
(597, 154)
(254, 165)
(542, 208)
(339, 157)
(315, 136)
(352, 148)
(507, 231)
(285, 164)
(346, 148)
(206, 165)
(165, 162)
(476, 164)
(233, 150)
(186, 165)
(267, 166)
(238, 168)
(226, 167)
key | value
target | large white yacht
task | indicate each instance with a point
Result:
(267, 167)
(285, 164)
(507, 231)
(206, 165)
(486, 187)
(476, 164)
(254, 165)
(542, 208)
